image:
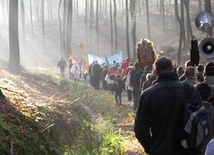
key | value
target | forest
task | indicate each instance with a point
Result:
(42, 113)
(38, 33)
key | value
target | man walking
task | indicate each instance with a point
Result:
(160, 110)
(62, 65)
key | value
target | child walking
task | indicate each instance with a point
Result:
(118, 88)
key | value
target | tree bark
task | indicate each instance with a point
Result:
(43, 25)
(111, 22)
(60, 25)
(115, 26)
(208, 9)
(97, 25)
(69, 27)
(147, 19)
(31, 19)
(14, 54)
(127, 29)
(86, 21)
(91, 21)
(133, 26)
(22, 10)
(180, 36)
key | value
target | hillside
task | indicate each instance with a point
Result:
(38, 116)
(34, 115)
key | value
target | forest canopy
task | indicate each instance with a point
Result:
(49, 29)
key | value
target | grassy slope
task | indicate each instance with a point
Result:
(36, 115)
(42, 118)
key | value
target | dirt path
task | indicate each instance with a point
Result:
(125, 123)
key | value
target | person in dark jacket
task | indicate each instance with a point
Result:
(96, 72)
(205, 91)
(135, 82)
(103, 75)
(117, 87)
(62, 65)
(187, 63)
(159, 112)
(200, 73)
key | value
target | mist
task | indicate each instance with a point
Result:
(45, 50)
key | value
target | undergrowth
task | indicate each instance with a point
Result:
(99, 137)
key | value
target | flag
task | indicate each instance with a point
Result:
(85, 63)
(73, 59)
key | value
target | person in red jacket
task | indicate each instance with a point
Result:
(125, 65)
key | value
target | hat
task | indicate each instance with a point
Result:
(210, 148)
(209, 69)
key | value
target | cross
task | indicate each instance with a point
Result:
(81, 45)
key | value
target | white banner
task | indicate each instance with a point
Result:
(118, 57)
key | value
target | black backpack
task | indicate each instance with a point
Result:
(194, 127)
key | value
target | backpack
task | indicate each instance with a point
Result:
(195, 126)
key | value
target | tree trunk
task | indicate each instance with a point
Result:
(86, 21)
(115, 26)
(199, 6)
(162, 4)
(188, 25)
(31, 19)
(91, 21)
(133, 26)
(60, 25)
(111, 22)
(69, 28)
(208, 9)
(43, 24)
(127, 29)
(14, 54)
(22, 16)
(183, 31)
(180, 36)
(97, 26)
(147, 19)
(208, 6)
(64, 33)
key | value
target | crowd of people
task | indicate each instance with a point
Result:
(160, 106)
(157, 94)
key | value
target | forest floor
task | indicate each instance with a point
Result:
(27, 93)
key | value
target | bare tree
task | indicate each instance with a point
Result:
(115, 25)
(50, 12)
(111, 22)
(208, 5)
(133, 25)
(14, 57)
(199, 5)
(182, 38)
(91, 22)
(188, 25)
(69, 27)
(208, 9)
(97, 26)
(162, 12)
(183, 30)
(22, 16)
(64, 29)
(43, 24)
(127, 29)
(60, 25)
(147, 19)
(31, 19)
(86, 21)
